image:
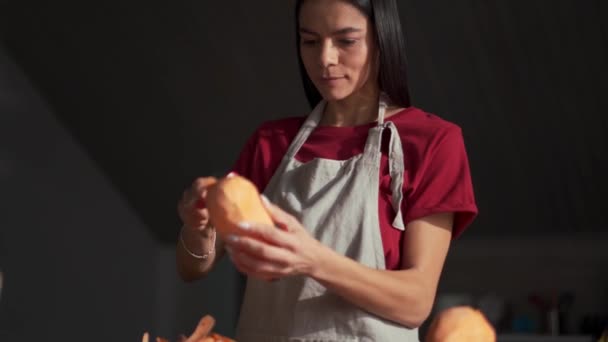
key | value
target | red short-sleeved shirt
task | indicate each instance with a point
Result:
(437, 177)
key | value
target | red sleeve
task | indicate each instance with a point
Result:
(443, 183)
(264, 150)
(248, 163)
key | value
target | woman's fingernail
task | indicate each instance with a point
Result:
(265, 199)
(244, 225)
(232, 238)
(231, 174)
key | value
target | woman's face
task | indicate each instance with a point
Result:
(337, 48)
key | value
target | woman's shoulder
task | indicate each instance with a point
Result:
(416, 119)
(265, 147)
(415, 123)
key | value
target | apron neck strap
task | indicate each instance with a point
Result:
(382, 105)
(315, 117)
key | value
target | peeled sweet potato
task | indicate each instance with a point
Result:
(202, 333)
(232, 200)
(460, 324)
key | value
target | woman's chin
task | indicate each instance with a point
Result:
(335, 95)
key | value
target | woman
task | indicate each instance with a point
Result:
(368, 192)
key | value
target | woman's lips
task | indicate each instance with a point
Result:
(332, 80)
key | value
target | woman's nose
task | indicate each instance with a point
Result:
(329, 54)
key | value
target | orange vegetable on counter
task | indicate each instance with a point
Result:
(460, 324)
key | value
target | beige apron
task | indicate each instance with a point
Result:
(337, 201)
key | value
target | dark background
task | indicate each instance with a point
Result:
(108, 110)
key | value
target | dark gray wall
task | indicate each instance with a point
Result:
(78, 263)
(156, 93)
(527, 82)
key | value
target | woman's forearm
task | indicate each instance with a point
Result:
(400, 296)
(203, 244)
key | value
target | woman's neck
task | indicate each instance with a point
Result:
(354, 110)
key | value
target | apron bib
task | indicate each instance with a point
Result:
(337, 202)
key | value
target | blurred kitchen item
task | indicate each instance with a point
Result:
(552, 316)
(493, 307)
(524, 316)
(553, 322)
(548, 312)
(523, 324)
(564, 307)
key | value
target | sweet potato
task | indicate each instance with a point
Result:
(460, 324)
(232, 200)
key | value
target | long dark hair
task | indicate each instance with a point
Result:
(384, 16)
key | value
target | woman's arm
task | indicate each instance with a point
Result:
(197, 249)
(404, 296)
(201, 243)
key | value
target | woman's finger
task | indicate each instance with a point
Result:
(198, 191)
(259, 250)
(281, 218)
(252, 266)
(269, 234)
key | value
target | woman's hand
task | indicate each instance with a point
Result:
(197, 248)
(191, 208)
(269, 253)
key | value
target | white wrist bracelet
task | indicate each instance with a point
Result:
(194, 255)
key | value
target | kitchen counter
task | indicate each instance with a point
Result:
(543, 338)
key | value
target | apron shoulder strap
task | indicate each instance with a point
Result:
(396, 170)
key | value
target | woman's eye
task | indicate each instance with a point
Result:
(347, 42)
